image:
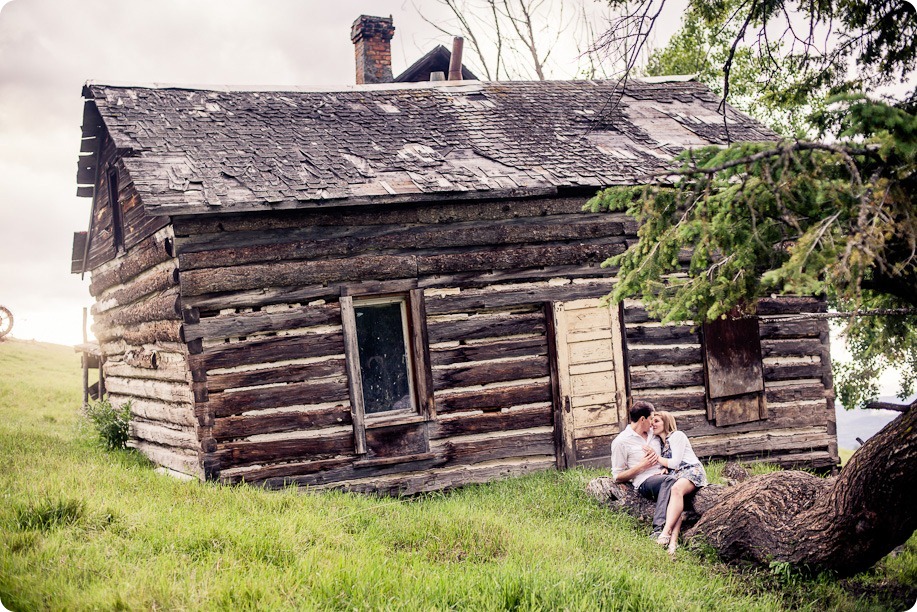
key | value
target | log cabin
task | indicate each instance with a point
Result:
(394, 288)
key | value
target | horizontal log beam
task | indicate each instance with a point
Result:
(234, 427)
(237, 454)
(637, 356)
(413, 475)
(470, 300)
(152, 389)
(303, 393)
(169, 372)
(494, 398)
(156, 280)
(264, 296)
(766, 306)
(795, 392)
(280, 348)
(159, 307)
(484, 373)
(666, 334)
(445, 478)
(148, 253)
(511, 258)
(479, 327)
(379, 267)
(663, 378)
(523, 444)
(794, 347)
(211, 304)
(158, 433)
(307, 243)
(152, 410)
(244, 324)
(440, 212)
(775, 372)
(287, 373)
(150, 332)
(754, 444)
(501, 349)
(179, 460)
(779, 417)
(789, 329)
(787, 304)
(296, 273)
(696, 400)
(491, 422)
(277, 472)
(673, 402)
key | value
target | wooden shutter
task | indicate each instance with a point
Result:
(734, 371)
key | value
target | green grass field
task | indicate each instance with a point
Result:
(81, 528)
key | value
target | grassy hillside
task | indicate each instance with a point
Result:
(81, 528)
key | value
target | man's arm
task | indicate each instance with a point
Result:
(619, 468)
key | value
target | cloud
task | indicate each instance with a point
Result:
(50, 48)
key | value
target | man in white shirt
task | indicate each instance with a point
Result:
(635, 458)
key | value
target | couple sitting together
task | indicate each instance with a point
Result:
(658, 459)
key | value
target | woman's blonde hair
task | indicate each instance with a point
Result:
(668, 421)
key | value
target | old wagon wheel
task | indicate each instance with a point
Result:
(6, 321)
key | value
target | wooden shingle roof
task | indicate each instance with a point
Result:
(205, 151)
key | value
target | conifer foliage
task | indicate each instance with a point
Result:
(834, 216)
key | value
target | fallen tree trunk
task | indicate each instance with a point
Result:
(843, 524)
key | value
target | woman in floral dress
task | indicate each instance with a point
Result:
(684, 466)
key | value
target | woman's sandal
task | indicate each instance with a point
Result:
(663, 539)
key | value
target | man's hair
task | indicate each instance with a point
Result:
(640, 409)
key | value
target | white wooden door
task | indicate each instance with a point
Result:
(590, 367)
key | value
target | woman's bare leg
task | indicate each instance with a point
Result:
(673, 542)
(676, 506)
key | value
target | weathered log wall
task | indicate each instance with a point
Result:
(666, 367)
(262, 320)
(232, 350)
(138, 324)
(137, 318)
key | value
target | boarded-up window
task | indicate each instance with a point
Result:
(734, 371)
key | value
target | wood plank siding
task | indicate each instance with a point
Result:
(136, 224)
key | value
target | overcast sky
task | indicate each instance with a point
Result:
(49, 48)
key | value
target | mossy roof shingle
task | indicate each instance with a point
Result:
(203, 151)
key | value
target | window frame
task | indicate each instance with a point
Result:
(419, 368)
(402, 302)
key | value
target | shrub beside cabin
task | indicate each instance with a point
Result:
(394, 287)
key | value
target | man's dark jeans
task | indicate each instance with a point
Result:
(658, 488)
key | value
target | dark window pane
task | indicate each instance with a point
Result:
(383, 358)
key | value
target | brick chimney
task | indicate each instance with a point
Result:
(372, 38)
